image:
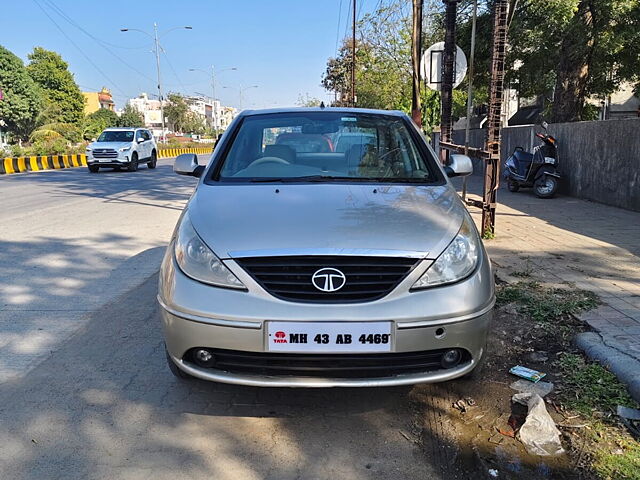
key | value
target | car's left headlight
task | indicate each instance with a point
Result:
(457, 261)
(124, 149)
(197, 261)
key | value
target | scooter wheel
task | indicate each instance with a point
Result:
(512, 185)
(546, 186)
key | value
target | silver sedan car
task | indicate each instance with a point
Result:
(324, 247)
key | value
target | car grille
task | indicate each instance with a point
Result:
(105, 153)
(368, 365)
(290, 277)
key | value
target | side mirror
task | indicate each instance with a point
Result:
(187, 164)
(459, 166)
(140, 140)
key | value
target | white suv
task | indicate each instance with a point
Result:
(122, 147)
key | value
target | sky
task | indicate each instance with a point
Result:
(279, 45)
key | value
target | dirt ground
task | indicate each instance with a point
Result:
(477, 417)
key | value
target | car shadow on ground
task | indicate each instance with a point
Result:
(157, 187)
(104, 405)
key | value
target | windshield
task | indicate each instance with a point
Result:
(116, 136)
(325, 146)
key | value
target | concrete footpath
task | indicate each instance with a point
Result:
(593, 246)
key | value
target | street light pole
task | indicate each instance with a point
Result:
(156, 40)
(157, 46)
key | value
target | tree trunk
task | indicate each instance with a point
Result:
(573, 67)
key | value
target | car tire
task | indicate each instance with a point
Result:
(94, 168)
(154, 159)
(175, 370)
(546, 186)
(513, 185)
(133, 164)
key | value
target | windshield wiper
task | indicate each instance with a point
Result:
(331, 178)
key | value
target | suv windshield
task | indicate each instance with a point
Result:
(325, 146)
(116, 136)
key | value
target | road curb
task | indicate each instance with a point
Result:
(36, 163)
(625, 367)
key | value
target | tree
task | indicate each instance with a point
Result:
(63, 98)
(383, 63)
(21, 101)
(307, 101)
(97, 121)
(563, 51)
(176, 112)
(130, 117)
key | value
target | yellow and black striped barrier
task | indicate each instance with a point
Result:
(174, 152)
(36, 163)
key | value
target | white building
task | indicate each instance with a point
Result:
(212, 112)
(150, 109)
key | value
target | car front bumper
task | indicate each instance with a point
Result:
(197, 315)
(120, 161)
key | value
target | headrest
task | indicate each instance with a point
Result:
(284, 152)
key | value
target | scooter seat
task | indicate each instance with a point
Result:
(523, 157)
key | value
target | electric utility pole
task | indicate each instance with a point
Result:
(353, 56)
(157, 48)
(416, 53)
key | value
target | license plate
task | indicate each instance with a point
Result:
(104, 160)
(329, 337)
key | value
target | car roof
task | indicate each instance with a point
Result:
(122, 129)
(395, 113)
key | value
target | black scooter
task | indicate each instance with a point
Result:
(537, 169)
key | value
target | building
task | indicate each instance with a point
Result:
(94, 101)
(150, 109)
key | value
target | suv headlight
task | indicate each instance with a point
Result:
(457, 261)
(197, 261)
(124, 149)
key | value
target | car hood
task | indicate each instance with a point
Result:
(113, 145)
(261, 220)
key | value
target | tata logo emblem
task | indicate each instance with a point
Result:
(281, 337)
(328, 280)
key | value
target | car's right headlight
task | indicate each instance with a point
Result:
(197, 261)
(457, 261)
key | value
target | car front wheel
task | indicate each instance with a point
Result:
(133, 165)
(94, 168)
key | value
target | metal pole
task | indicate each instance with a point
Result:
(213, 89)
(353, 58)
(155, 34)
(448, 66)
(492, 166)
(416, 52)
(470, 91)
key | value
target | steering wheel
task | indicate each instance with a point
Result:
(262, 160)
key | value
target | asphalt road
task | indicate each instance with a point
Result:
(84, 389)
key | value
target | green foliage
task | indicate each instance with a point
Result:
(96, 122)
(130, 117)
(180, 116)
(56, 146)
(544, 304)
(21, 103)
(383, 66)
(64, 102)
(51, 131)
(308, 101)
(590, 387)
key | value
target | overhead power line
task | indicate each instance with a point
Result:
(100, 42)
(98, 69)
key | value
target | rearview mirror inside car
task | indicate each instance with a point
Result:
(459, 165)
(187, 164)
